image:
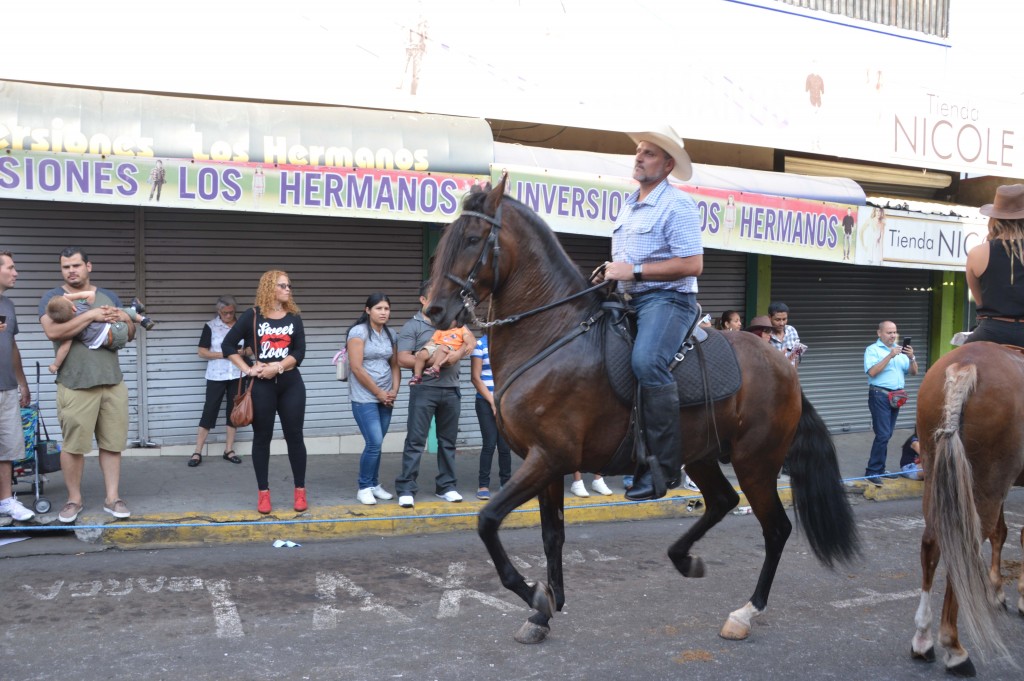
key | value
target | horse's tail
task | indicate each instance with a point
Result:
(955, 518)
(818, 494)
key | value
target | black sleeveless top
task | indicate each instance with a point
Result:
(1000, 297)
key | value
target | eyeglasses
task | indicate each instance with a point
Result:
(285, 286)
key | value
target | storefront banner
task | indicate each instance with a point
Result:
(730, 220)
(896, 238)
(176, 183)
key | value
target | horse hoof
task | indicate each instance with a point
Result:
(926, 656)
(964, 670)
(543, 599)
(695, 568)
(532, 633)
(734, 630)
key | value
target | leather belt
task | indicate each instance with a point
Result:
(1017, 320)
(880, 389)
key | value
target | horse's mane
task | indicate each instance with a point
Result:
(564, 275)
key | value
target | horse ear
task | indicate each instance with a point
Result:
(495, 196)
(480, 188)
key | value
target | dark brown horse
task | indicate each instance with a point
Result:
(969, 419)
(561, 416)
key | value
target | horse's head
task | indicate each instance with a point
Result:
(467, 267)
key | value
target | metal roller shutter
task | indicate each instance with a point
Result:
(192, 257)
(836, 309)
(36, 232)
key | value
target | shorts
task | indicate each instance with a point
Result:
(432, 347)
(118, 336)
(12, 436)
(101, 411)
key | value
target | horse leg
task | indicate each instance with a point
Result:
(719, 499)
(958, 661)
(761, 489)
(995, 573)
(552, 522)
(527, 482)
(922, 647)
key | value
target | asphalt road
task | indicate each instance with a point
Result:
(431, 607)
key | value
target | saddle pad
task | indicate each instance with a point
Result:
(723, 371)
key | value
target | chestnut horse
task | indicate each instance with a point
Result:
(969, 420)
(561, 415)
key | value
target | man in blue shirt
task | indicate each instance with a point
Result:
(657, 256)
(886, 365)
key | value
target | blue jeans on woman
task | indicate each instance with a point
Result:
(492, 439)
(373, 419)
(883, 422)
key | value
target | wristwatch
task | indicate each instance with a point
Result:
(638, 272)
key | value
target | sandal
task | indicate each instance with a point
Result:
(230, 456)
(197, 458)
(432, 372)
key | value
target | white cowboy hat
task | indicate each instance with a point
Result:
(672, 144)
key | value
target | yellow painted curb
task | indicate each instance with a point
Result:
(428, 517)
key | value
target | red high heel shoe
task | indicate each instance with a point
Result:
(263, 501)
(300, 499)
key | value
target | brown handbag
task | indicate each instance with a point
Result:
(241, 410)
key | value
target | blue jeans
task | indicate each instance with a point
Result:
(662, 318)
(373, 419)
(883, 422)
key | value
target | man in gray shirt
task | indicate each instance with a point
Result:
(438, 398)
(14, 393)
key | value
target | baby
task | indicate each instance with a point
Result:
(441, 345)
(110, 335)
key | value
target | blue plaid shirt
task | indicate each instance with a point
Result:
(664, 225)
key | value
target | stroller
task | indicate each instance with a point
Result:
(42, 455)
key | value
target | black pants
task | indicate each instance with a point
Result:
(491, 439)
(284, 396)
(1009, 333)
(215, 392)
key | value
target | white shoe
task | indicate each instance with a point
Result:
(365, 496)
(381, 493)
(14, 508)
(406, 500)
(690, 484)
(451, 495)
(579, 489)
(599, 486)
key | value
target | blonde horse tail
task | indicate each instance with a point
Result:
(955, 517)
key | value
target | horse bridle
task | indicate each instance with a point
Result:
(467, 292)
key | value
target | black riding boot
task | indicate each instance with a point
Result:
(664, 443)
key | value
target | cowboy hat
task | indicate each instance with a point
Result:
(1008, 205)
(758, 324)
(669, 142)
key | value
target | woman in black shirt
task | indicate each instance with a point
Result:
(995, 270)
(279, 342)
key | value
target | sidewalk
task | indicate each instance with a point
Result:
(173, 504)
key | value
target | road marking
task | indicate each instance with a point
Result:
(453, 584)
(225, 613)
(894, 524)
(326, 614)
(872, 597)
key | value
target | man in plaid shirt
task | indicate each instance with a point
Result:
(784, 337)
(657, 256)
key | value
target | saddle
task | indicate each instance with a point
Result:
(705, 368)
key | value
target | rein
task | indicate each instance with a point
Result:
(467, 293)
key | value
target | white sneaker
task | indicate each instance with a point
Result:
(14, 508)
(599, 486)
(406, 500)
(381, 493)
(690, 484)
(365, 496)
(451, 495)
(579, 489)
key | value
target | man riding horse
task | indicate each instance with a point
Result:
(656, 258)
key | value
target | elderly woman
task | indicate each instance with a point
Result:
(995, 270)
(221, 380)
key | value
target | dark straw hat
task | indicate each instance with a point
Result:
(1008, 205)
